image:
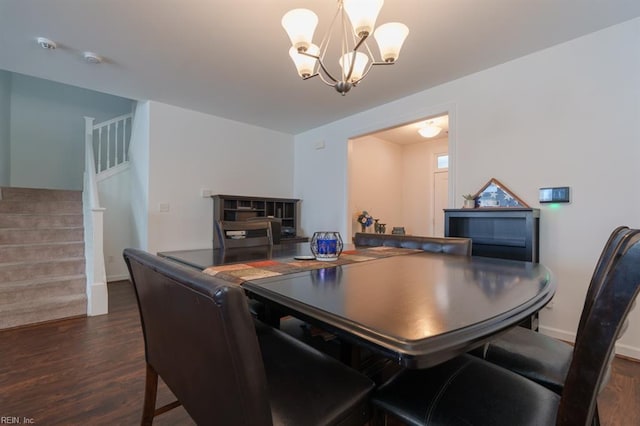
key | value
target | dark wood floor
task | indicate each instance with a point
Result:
(91, 371)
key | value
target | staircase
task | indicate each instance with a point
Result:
(42, 266)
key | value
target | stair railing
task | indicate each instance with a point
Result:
(97, 296)
(111, 142)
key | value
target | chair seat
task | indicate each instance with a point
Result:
(467, 391)
(332, 393)
(535, 356)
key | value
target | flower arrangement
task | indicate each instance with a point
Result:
(365, 219)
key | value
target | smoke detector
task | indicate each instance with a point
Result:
(45, 43)
(92, 58)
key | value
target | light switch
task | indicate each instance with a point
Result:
(164, 207)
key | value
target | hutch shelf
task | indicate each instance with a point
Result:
(241, 208)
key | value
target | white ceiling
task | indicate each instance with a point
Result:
(229, 57)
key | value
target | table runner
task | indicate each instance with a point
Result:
(238, 273)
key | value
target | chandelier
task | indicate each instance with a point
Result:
(357, 21)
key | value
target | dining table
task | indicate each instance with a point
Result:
(416, 308)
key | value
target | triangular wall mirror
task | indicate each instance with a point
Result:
(495, 194)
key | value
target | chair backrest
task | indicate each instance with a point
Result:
(242, 234)
(276, 226)
(603, 265)
(605, 320)
(200, 339)
(447, 245)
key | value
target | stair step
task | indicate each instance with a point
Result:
(38, 194)
(38, 252)
(27, 236)
(12, 272)
(48, 207)
(43, 289)
(40, 221)
(36, 311)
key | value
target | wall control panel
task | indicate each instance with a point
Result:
(558, 194)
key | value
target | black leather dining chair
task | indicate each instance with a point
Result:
(224, 367)
(541, 358)
(468, 390)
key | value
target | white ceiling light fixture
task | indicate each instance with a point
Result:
(358, 19)
(92, 58)
(47, 44)
(429, 130)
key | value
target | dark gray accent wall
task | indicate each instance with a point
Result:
(47, 130)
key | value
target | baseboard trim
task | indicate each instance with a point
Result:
(117, 277)
(626, 351)
(558, 334)
(98, 300)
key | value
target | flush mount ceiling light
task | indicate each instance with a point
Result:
(358, 19)
(92, 58)
(429, 130)
(45, 43)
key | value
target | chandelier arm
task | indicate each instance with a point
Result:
(324, 80)
(353, 57)
(364, 74)
(369, 69)
(362, 40)
(321, 63)
(330, 84)
(326, 71)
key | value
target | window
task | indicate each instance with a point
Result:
(442, 161)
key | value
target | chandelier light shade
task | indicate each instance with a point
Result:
(357, 22)
(363, 14)
(358, 67)
(305, 64)
(300, 24)
(390, 38)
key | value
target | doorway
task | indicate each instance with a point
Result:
(392, 175)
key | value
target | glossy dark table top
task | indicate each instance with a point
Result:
(418, 309)
(203, 258)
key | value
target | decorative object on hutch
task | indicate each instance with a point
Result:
(357, 22)
(469, 201)
(398, 230)
(496, 194)
(365, 220)
(326, 246)
(280, 211)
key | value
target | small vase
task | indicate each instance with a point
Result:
(363, 227)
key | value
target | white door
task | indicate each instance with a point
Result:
(440, 201)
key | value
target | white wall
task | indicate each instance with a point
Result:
(190, 151)
(5, 117)
(139, 174)
(567, 115)
(418, 168)
(47, 130)
(376, 184)
(115, 196)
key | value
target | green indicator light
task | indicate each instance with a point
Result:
(554, 206)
